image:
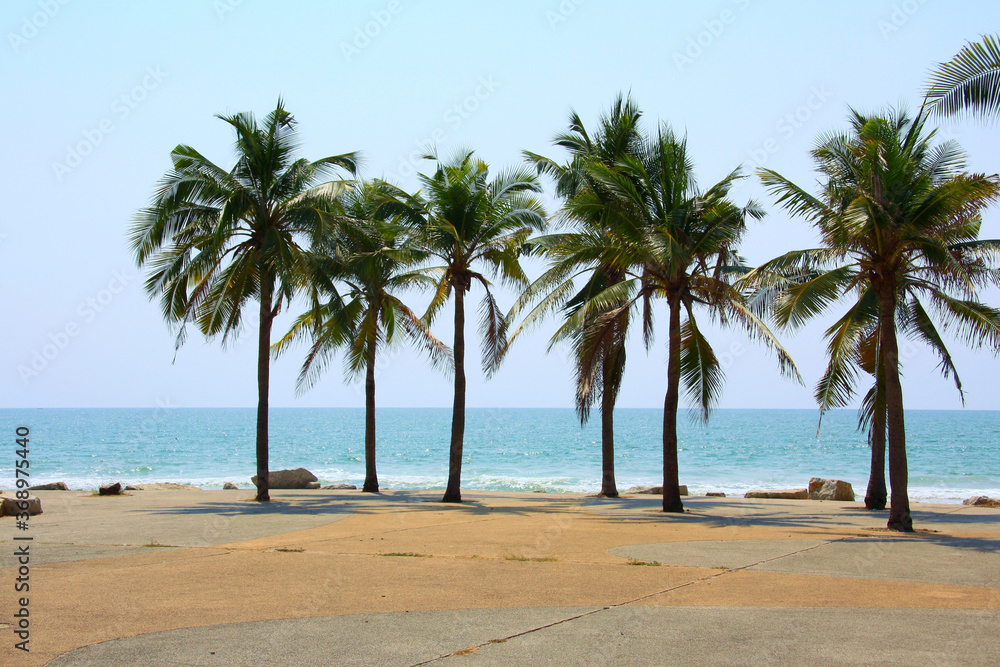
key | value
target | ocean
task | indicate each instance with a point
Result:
(952, 454)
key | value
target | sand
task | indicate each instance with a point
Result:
(319, 576)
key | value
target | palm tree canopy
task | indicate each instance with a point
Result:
(465, 219)
(361, 268)
(676, 242)
(214, 239)
(894, 209)
(969, 82)
(577, 254)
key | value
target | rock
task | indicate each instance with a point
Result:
(111, 489)
(716, 494)
(53, 486)
(976, 501)
(830, 489)
(312, 485)
(10, 507)
(288, 479)
(653, 490)
(539, 491)
(340, 487)
(229, 486)
(783, 494)
(132, 488)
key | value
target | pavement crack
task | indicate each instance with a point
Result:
(498, 640)
(793, 553)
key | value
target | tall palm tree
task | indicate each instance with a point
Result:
(573, 256)
(215, 239)
(677, 243)
(900, 220)
(969, 82)
(372, 258)
(464, 219)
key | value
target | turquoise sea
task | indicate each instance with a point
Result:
(952, 454)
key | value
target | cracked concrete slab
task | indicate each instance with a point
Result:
(626, 635)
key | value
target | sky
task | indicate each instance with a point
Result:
(96, 95)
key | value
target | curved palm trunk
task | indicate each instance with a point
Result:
(608, 487)
(899, 502)
(263, 388)
(371, 475)
(671, 481)
(876, 495)
(453, 494)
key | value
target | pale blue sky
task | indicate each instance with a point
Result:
(124, 82)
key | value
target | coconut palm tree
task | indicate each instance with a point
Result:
(677, 243)
(573, 257)
(465, 220)
(372, 258)
(899, 219)
(969, 82)
(215, 239)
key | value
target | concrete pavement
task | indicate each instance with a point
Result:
(506, 579)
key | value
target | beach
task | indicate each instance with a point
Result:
(209, 577)
(951, 454)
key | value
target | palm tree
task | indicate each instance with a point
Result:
(573, 256)
(969, 82)
(679, 244)
(899, 219)
(215, 239)
(370, 256)
(464, 219)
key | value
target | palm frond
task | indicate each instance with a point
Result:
(969, 82)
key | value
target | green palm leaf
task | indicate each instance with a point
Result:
(969, 82)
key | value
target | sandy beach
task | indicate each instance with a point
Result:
(339, 577)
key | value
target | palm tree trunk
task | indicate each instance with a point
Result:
(899, 502)
(671, 481)
(453, 494)
(608, 487)
(877, 495)
(371, 475)
(263, 386)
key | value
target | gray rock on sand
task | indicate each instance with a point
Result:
(133, 488)
(288, 479)
(715, 494)
(340, 487)
(982, 501)
(830, 489)
(653, 490)
(10, 507)
(229, 486)
(781, 494)
(111, 489)
(52, 486)
(312, 485)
